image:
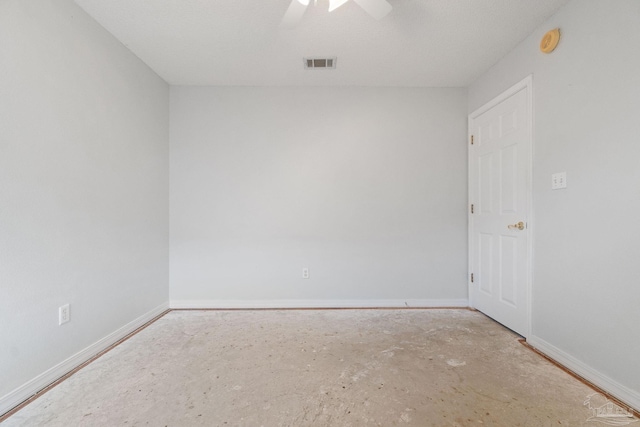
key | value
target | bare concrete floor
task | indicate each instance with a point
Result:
(316, 367)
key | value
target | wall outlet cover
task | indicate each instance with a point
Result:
(559, 180)
(64, 315)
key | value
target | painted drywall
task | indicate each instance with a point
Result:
(366, 187)
(84, 145)
(587, 108)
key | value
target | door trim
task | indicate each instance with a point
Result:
(526, 84)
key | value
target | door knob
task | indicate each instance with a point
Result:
(518, 226)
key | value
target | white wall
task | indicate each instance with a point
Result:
(84, 186)
(586, 290)
(364, 186)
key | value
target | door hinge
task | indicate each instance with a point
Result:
(471, 277)
(471, 207)
(471, 139)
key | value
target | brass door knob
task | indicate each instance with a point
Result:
(518, 226)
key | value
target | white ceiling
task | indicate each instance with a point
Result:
(443, 43)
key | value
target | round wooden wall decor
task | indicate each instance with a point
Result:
(550, 40)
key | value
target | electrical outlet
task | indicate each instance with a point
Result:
(559, 180)
(305, 273)
(64, 315)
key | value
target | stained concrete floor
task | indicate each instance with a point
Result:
(316, 367)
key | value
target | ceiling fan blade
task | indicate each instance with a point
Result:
(294, 13)
(334, 4)
(376, 8)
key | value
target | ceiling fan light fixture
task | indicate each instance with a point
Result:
(334, 4)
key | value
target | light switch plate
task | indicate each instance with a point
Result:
(559, 180)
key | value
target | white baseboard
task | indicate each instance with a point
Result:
(27, 390)
(338, 303)
(620, 391)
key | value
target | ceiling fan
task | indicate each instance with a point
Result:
(378, 9)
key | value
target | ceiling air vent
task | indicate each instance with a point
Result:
(319, 63)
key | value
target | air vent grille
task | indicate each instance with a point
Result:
(319, 63)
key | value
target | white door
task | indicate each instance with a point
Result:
(500, 204)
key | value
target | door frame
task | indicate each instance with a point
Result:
(526, 84)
